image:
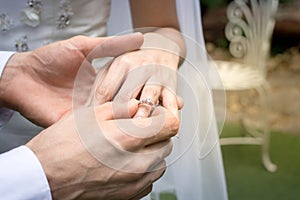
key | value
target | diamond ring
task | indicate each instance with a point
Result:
(147, 101)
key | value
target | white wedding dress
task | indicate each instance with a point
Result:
(195, 168)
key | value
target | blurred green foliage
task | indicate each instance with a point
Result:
(285, 1)
(210, 4)
(222, 42)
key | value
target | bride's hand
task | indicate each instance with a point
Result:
(147, 73)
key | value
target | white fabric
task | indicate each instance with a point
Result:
(5, 114)
(89, 18)
(22, 176)
(199, 173)
(4, 57)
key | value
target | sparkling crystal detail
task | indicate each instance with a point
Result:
(65, 14)
(21, 44)
(147, 101)
(31, 14)
(35, 4)
(5, 22)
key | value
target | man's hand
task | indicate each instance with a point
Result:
(39, 84)
(90, 155)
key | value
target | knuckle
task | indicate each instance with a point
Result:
(168, 91)
(169, 148)
(174, 125)
(78, 37)
(79, 40)
(78, 43)
(135, 176)
(164, 165)
(142, 167)
(124, 60)
(103, 93)
(149, 90)
(138, 166)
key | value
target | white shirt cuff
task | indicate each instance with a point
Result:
(4, 57)
(5, 114)
(22, 176)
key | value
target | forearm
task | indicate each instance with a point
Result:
(159, 17)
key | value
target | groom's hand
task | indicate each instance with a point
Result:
(92, 154)
(39, 84)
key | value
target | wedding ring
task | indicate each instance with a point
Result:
(147, 101)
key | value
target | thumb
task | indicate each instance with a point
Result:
(113, 46)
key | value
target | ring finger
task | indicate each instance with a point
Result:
(151, 92)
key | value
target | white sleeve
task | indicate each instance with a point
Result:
(4, 57)
(5, 114)
(22, 176)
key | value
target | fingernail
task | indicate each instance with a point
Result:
(135, 100)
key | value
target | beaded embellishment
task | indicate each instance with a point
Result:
(21, 44)
(31, 14)
(65, 14)
(5, 22)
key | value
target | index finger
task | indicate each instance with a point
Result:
(113, 46)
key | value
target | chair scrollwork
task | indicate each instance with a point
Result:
(249, 29)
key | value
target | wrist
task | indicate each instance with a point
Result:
(157, 41)
(167, 39)
(12, 79)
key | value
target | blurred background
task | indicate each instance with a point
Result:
(245, 174)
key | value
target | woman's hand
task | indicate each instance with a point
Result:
(147, 73)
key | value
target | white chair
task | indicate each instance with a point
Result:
(249, 30)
